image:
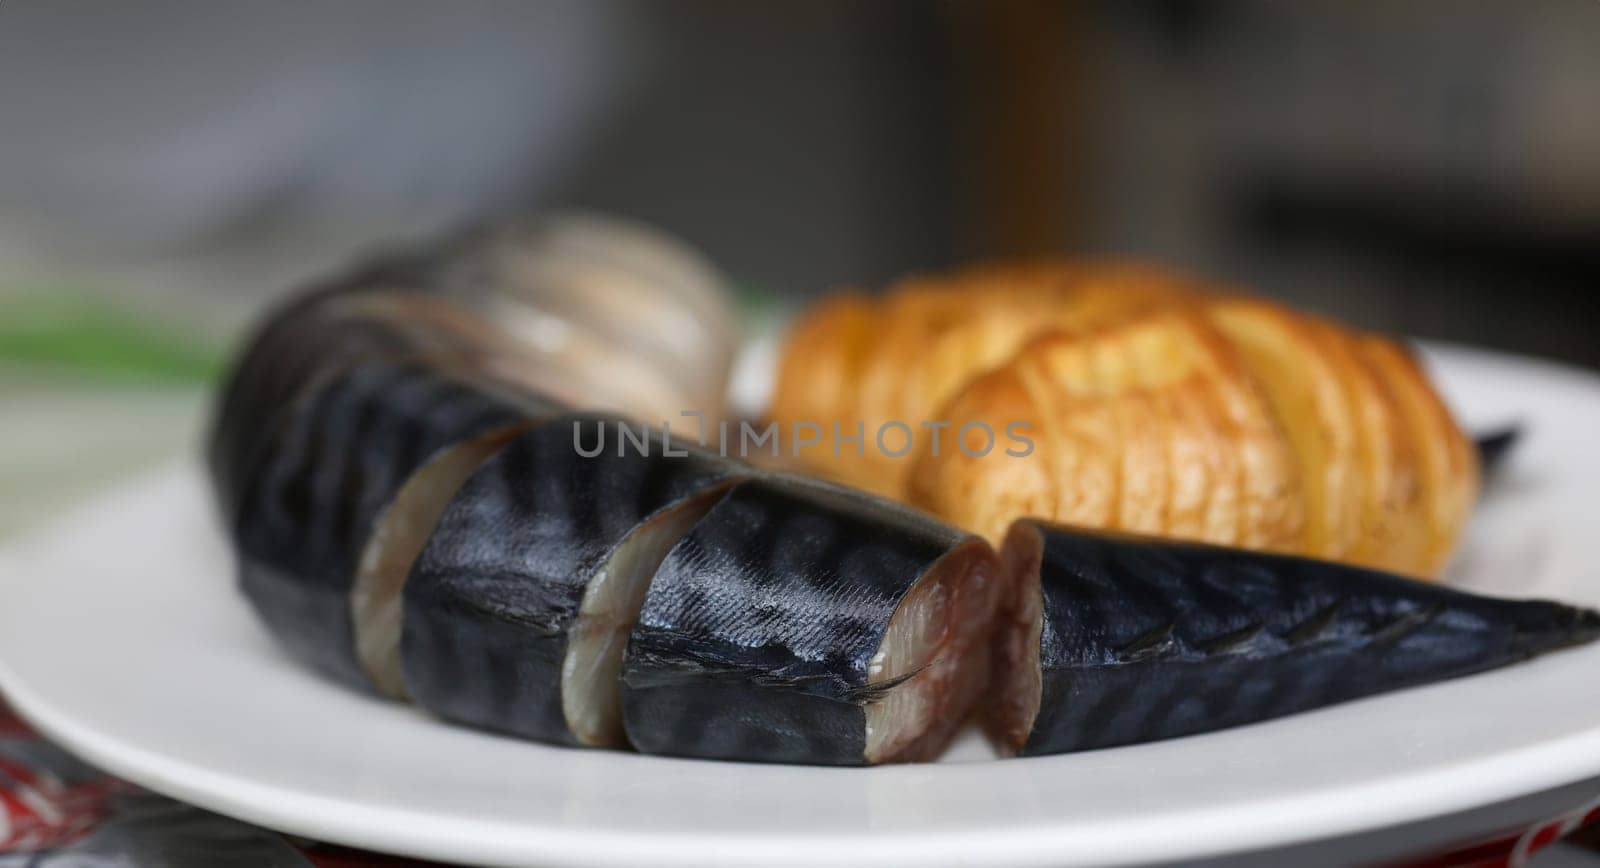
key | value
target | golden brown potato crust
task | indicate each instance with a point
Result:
(860, 362)
(1154, 404)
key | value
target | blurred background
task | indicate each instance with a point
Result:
(167, 168)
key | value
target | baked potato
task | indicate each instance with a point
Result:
(1153, 404)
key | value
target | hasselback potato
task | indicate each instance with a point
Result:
(1147, 401)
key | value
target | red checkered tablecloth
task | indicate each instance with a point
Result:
(56, 810)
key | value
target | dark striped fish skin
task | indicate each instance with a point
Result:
(489, 603)
(281, 363)
(327, 472)
(386, 308)
(297, 341)
(330, 341)
(1494, 447)
(1145, 639)
(756, 637)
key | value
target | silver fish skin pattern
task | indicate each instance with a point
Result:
(756, 636)
(1146, 639)
(489, 602)
(326, 475)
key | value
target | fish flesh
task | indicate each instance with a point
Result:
(1110, 639)
(516, 612)
(809, 623)
(622, 285)
(397, 539)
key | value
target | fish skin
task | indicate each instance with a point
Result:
(489, 603)
(332, 466)
(326, 342)
(757, 633)
(296, 348)
(293, 344)
(1146, 639)
(305, 338)
(1494, 447)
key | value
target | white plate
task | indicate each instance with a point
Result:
(121, 636)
